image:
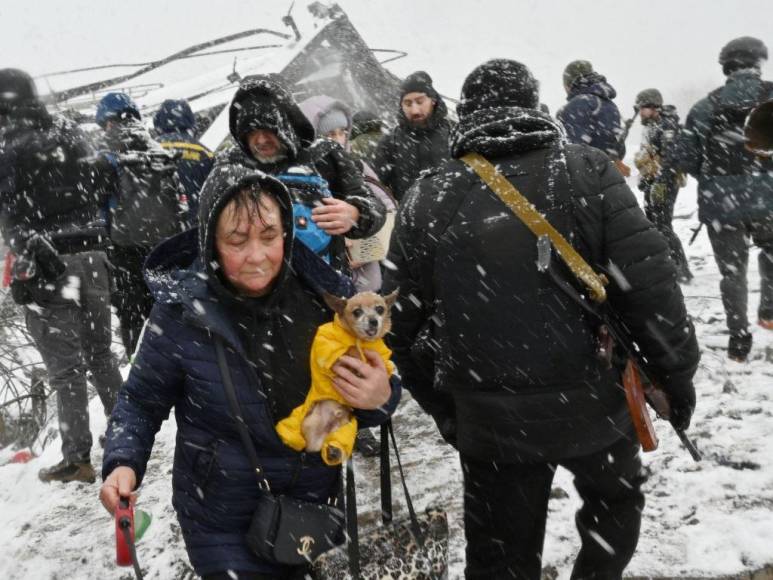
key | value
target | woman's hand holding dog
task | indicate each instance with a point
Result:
(363, 384)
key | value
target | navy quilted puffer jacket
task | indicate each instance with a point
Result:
(590, 116)
(215, 491)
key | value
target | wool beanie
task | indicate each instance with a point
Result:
(575, 70)
(334, 119)
(418, 82)
(499, 83)
(743, 52)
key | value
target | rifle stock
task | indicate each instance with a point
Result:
(637, 406)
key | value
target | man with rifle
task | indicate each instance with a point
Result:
(659, 180)
(507, 363)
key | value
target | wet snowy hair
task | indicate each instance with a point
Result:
(249, 199)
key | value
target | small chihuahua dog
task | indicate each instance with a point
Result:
(324, 422)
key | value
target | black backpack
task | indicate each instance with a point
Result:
(147, 206)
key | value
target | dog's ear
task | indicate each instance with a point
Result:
(390, 299)
(335, 303)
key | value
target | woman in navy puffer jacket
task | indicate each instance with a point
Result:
(239, 277)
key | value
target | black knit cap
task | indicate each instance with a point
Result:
(418, 82)
(499, 83)
(742, 52)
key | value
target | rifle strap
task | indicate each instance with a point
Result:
(538, 225)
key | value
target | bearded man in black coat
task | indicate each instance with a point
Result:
(503, 360)
(420, 139)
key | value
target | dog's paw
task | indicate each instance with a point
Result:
(333, 455)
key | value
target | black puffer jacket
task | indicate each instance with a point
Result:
(45, 180)
(502, 359)
(406, 151)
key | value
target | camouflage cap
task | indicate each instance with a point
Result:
(649, 98)
(575, 70)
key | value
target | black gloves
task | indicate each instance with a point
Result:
(682, 406)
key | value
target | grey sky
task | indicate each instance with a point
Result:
(669, 44)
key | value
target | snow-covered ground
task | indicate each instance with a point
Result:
(709, 519)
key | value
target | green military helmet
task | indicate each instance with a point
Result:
(574, 70)
(649, 98)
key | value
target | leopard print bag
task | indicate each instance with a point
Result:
(390, 552)
(408, 548)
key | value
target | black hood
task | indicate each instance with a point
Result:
(263, 101)
(592, 84)
(222, 184)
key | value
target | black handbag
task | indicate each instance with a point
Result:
(284, 530)
(413, 548)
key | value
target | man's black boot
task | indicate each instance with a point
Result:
(739, 346)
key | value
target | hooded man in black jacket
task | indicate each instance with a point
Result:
(503, 360)
(274, 136)
(419, 141)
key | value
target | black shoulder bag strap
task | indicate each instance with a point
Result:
(233, 402)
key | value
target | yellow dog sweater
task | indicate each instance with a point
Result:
(330, 343)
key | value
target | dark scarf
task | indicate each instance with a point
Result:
(501, 130)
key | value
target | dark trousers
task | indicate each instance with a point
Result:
(72, 333)
(730, 243)
(506, 505)
(662, 215)
(131, 298)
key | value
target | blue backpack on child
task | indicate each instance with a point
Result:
(306, 192)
